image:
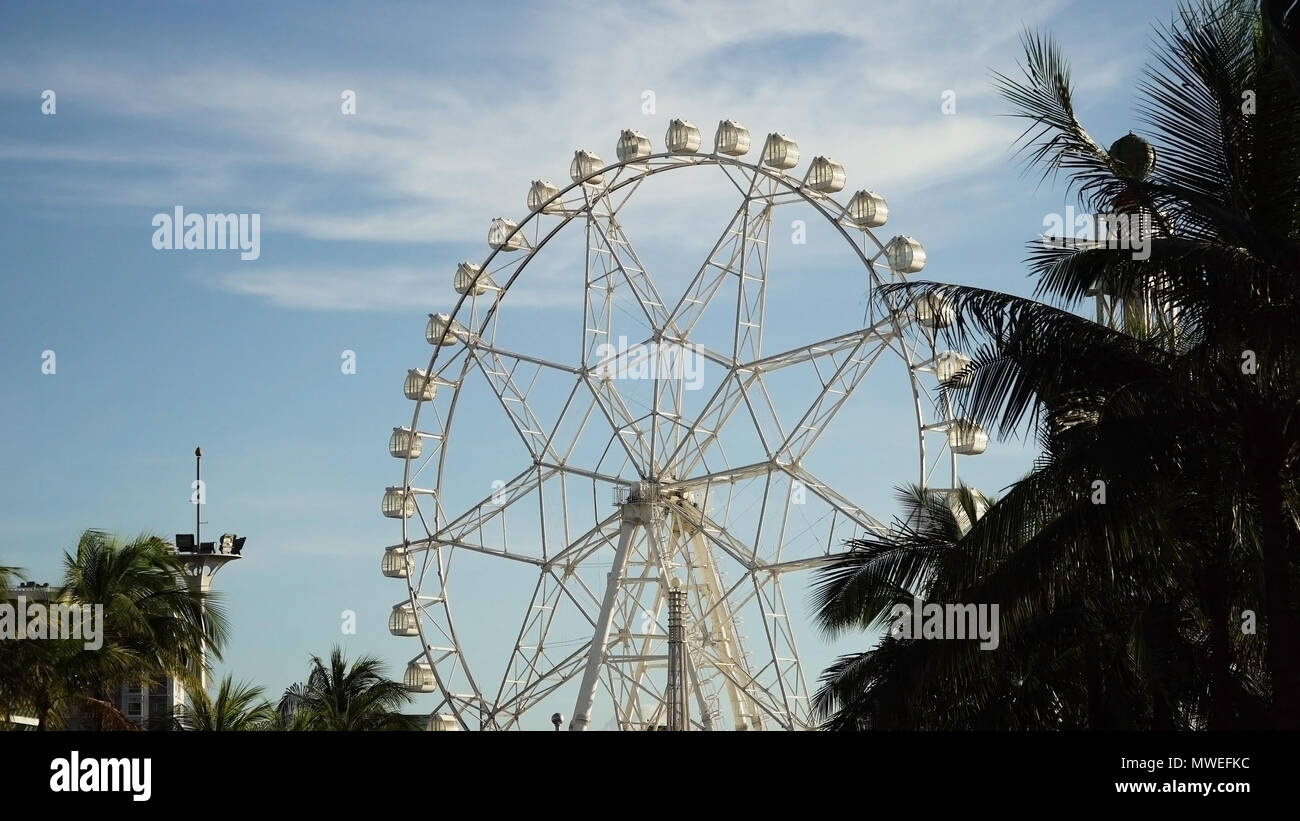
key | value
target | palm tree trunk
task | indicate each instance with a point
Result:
(1215, 593)
(1096, 686)
(1283, 652)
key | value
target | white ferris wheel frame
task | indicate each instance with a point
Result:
(654, 507)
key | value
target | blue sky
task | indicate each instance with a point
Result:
(235, 107)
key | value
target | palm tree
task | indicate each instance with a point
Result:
(1126, 613)
(237, 707)
(290, 714)
(148, 605)
(9, 575)
(342, 697)
(154, 625)
(858, 590)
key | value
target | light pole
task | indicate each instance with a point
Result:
(203, 559)
(201, 497)
(676, 696)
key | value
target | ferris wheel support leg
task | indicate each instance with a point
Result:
(706, 715)
(600, 639)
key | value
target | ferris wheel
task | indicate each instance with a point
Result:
(608, 471)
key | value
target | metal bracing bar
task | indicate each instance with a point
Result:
(600, 638)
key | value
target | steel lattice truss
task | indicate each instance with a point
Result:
(628, 486)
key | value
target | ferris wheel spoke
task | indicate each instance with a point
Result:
(848, 372)
(787, 671)
(527, 691)
(724, 260)
(612, 241)
(488, 550)
(500, 367)
(756, 694)
(541, 686)
(793, 565)
(493, 507)
(600, 535)
(566, 443)
(526, 659)
(751, 274)
(745, 387)
(725, 476)
(716, 533)
(802, 480)
(703, 433)
(602, 278)
(735, 597)
(804, 354)
(631, 436)
(834, 499)
(502, 354)
(849, 357)
(570, 470)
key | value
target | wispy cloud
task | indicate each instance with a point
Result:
(393, 289)
(432, 161)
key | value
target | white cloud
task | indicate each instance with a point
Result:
(371, 289)
(431, 160)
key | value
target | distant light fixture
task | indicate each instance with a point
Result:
(227, 542)
(1135, 156)
(239, 545)
(185, 542)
